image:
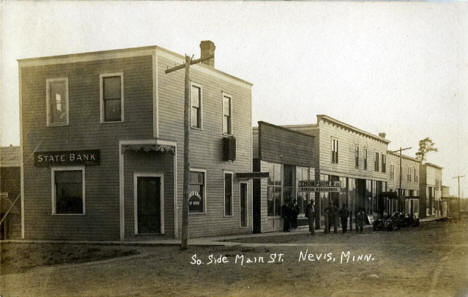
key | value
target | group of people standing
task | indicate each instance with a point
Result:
(290, 212)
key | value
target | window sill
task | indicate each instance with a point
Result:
(227, 216)
(228, 134)
(196, 128)
(111, 122)
(57, 125)
(68, 214)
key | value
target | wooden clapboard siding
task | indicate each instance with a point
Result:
(84, 131)
(406, 162)
(206, 144)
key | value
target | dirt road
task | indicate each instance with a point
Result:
(431, 260)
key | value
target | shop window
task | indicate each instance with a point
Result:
(303, 174)
(197, 191)
(228, 194)
(356, 156)
(112, 97)
(196, 109)
(227, 114)
(68, 193)
(334, 150)
(57, 102)
(274, 189)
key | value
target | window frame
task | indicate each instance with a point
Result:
(356, 156)
(102, 76)
(224, 193)
(231, 130)
(205, 201)
(334, 154)
(200, 109)
(377, 162)
(51, 80)
(246, 204)
(365, 153)
(384, 163)
(53, 189)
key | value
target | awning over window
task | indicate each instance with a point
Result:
(149, 148)
(249, 175)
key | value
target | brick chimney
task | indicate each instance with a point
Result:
(382, 134)
(207, 48)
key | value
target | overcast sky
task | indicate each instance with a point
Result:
(399, 68)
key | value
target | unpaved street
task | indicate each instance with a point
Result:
(431, 260)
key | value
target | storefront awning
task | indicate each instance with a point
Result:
(149, 148)
(248, 175)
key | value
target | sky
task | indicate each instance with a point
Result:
(394, 67)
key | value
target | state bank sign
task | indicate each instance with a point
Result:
(66, 158)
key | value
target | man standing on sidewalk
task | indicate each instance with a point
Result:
(310, 214)
(344, 213)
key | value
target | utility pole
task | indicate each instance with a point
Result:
(459, 197)
(401, 173)
(185, 204)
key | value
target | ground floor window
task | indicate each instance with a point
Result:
(197, 191)
(68, 191)
(228, 194)
(274, 188)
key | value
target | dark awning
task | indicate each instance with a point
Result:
(248, 175)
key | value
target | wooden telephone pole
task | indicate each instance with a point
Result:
(401, 173)
(185, 204)
(459, 197)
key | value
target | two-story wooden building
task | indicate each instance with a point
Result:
(102, 138)
(353, 157)
(406, 184)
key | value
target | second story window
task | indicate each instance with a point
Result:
(227, 114)
(356, 156)
(409, 174)
(112, 97)
(195, 115)
(57, 102)
(392, 171)
(384, 163)
(334, 150)
(415, 175)
(376, 162)
(365, 158)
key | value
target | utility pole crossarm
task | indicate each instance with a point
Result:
(192, 62)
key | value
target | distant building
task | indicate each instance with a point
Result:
(10, 189)
(430, 189)
(407, 184)
(102, 138)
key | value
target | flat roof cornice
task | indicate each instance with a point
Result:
(344, 125)
(123, 53)
(403, 156)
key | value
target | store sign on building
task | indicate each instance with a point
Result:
(67, 158)
(320, 186)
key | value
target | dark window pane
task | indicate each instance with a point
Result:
(112, 110)
(228, 194)
(112, 87)
(68, 192)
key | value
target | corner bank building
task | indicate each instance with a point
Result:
(353, 157)
(102, 146)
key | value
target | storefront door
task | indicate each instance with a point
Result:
(149, 204)
(243, 204)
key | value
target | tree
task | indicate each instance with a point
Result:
(426, 145)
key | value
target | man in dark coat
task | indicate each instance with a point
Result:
(286, 214)
(360, 219)
(331, 212)
(344, 214)
(310, 214)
